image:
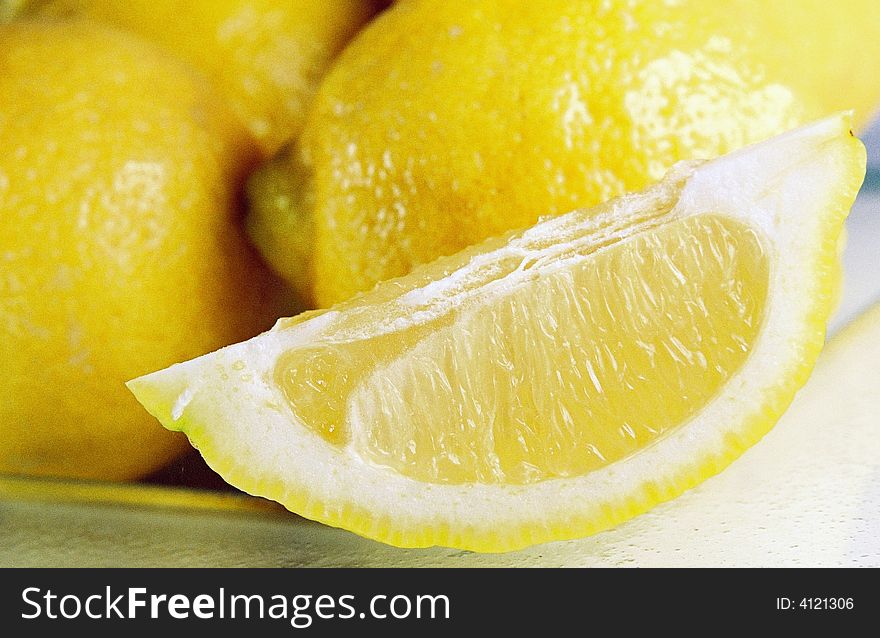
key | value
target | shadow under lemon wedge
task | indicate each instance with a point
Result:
(548, 383)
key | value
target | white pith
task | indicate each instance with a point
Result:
(783, 188)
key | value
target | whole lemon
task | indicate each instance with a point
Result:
(120, 173)
(446, 122)
(266, 56)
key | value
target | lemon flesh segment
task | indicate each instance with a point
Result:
(612, 368)
(475, 403)
(575, 369)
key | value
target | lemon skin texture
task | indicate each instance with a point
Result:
(10, 9)
(445, 123)
(119, 252)
(266, 56)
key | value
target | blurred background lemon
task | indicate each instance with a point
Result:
(446, 122)
(266, 56)
(119, 246)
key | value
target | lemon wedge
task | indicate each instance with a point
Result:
(549, 383)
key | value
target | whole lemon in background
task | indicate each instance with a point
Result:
(446, 122)
(120, 175)
(267, 56)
